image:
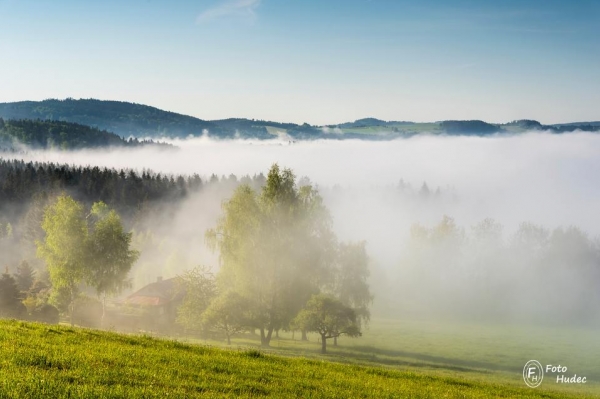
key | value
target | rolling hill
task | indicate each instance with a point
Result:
(122, 118)
(50, 134)
(142, 121)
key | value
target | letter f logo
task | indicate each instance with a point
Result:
(533, 374)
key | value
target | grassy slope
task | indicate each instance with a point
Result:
(39, 361)
(492, 353)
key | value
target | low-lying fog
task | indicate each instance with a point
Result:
(544, 178)
(374, 188)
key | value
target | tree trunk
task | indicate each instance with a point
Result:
(334, 341)
(268, 337)
(277, 334)
(323, 344)
(304, 337)
(265, 339)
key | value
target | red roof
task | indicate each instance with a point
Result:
(145, 301)
(155, 294)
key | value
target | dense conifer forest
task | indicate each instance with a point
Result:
(51, 134)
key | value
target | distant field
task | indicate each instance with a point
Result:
(40, 361)
(485, 353)
(275, 130)
(403, 129)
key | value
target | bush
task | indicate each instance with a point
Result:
(88, 312)
(46, 314)
(10, 299)
(15, 311)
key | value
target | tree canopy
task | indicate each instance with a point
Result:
(229, 313)
(277, 249)
(77, 251)
(328, 317)
(200, 289)
(108, 252)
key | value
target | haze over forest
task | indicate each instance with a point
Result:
(376, 191)
(402, 196)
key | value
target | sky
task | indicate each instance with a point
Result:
(320, 62)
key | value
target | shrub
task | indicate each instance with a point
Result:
(46, 314)
(88, 312)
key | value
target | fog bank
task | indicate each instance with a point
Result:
(540, 177)
(376, 191)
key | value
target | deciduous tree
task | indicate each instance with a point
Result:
(274, 248)
(328, 317)
(352, 287)
(199, 289)
(227, 313)
(64, 247)
(109, 254)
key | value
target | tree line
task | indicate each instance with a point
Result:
(534, 274)
(61, 135)
(27, 188)
(126, 190)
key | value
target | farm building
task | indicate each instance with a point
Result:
(156, 304)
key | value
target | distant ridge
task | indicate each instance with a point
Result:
(142, 121)
(596, 123)
(123, 118)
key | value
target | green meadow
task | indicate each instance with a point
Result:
(393, 359)
(275, 131)
(402, 129)
(487, 353)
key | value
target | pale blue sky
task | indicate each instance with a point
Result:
(311, 61)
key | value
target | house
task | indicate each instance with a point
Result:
(156, 304)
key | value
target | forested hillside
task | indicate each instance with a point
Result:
(125, 190)
(50, 134)
(469, 127)
(142, 121)
(26, 188)
(125, 119)
(137, 120)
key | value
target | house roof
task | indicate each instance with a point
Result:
(146, 301)
(155, 294)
